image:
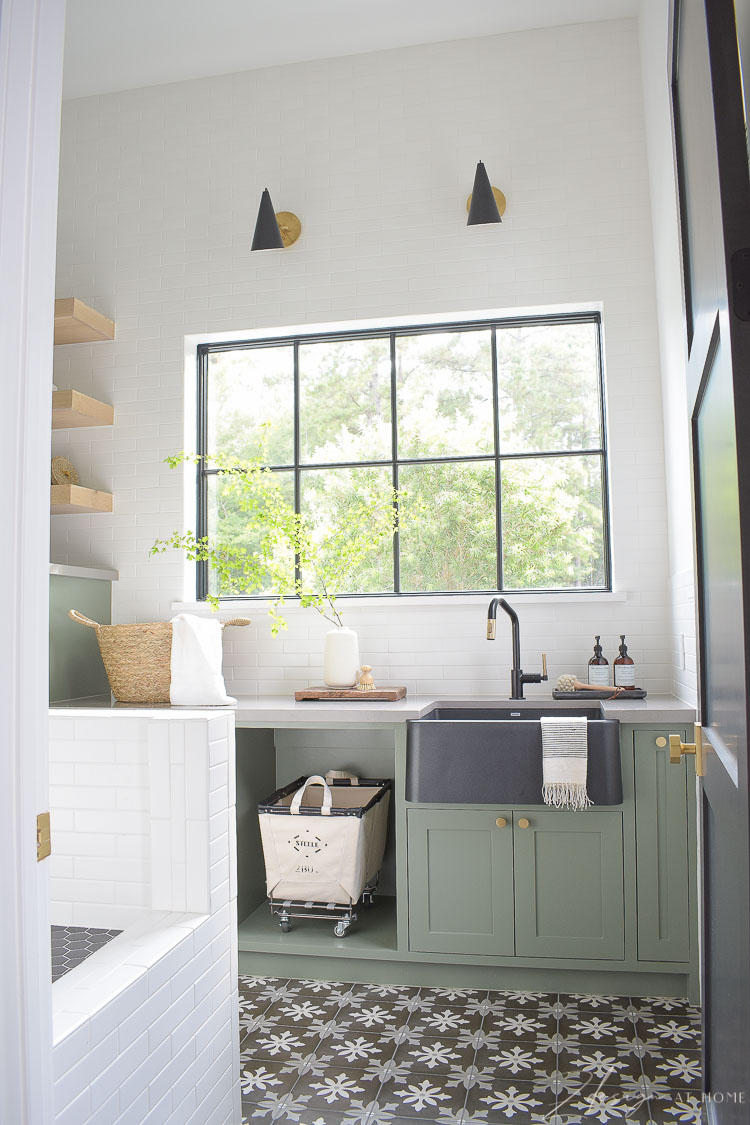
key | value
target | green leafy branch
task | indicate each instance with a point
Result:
(265, 546)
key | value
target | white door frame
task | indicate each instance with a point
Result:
(31, 50)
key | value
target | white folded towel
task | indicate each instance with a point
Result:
(196, 678)
(565, 762)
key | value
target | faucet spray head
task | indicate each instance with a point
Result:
(491, 627)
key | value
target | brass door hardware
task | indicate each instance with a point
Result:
(501, 822)
(661, 741)
(43, 841)
(523, 822)
(677, 748)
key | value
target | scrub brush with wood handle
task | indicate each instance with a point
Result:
(570, 683)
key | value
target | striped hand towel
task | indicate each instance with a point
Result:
(564, 762)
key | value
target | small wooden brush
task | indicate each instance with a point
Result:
(366, 682)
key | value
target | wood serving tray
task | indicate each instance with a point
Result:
(384, 693)
(602, 693)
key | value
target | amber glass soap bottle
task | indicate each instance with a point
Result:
(598, 667)
(624, 667)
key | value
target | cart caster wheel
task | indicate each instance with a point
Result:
(340, 929)
(285, 926)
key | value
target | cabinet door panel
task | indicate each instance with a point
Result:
(460, 882)
(662, 863)
(569, 885)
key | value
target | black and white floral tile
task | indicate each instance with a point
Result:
(324, 1053)
(73, 944)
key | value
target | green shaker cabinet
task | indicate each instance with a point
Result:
(543, 884)
(460, 881)
(662, 849)
(569, 884)
(494, 896)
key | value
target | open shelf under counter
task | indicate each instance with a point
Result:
(73, 410)
(373, 935)
(74, 499)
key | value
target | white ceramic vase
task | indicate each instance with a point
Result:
(341, 658)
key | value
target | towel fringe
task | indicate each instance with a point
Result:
(566, 795)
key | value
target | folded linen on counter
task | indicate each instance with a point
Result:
(196, 677)
(565, 762)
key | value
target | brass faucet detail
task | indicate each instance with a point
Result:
(517, 677)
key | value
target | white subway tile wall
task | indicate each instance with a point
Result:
(146, 1029)
(158, 197)
(685, 653)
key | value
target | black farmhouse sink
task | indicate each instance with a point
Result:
(492, 755)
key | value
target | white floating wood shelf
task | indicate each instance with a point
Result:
(73, 498)
(76, 323)
(72, 409)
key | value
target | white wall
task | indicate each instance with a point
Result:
(654, 41)
(159, 193)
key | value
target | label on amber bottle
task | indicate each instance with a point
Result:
(624, 675)
(599, 674)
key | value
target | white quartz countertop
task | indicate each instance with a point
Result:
(269, 709)
(656, 709)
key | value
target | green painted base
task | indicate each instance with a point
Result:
(359, 970)
(372, 935)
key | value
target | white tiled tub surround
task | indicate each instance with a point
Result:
(143, 837)
(158, 197)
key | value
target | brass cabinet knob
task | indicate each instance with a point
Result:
(501, 822)
(661, 740)
(523, 822)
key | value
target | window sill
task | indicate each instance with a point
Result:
(231, 607)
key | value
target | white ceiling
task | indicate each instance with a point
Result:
(123, 44)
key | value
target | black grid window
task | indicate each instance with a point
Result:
(492, 432)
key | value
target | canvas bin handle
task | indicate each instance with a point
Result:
(342, 775)
(316, 779)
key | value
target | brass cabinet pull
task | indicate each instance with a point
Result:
(523, 822)
(677, 748)
(661, 740)
(501, 822)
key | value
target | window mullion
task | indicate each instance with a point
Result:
(498, 482)
(201, 513)
(394, 470)
(297, 476)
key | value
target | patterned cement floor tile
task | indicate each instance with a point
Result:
(449, 1021)
(515, 1026)
(329, 1053)
(524, 1000)
(681, 1070)
(514, 1101)
(671, 1032)
(423, 1097)
(435, 1054)
(261, 1076)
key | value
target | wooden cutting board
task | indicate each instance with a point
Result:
(385, 693)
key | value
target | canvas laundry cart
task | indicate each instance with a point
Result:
(323, 843)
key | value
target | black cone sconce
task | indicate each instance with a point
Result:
(274, 231)
(486, 203)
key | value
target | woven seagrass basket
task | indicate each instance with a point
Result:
(137, 657)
